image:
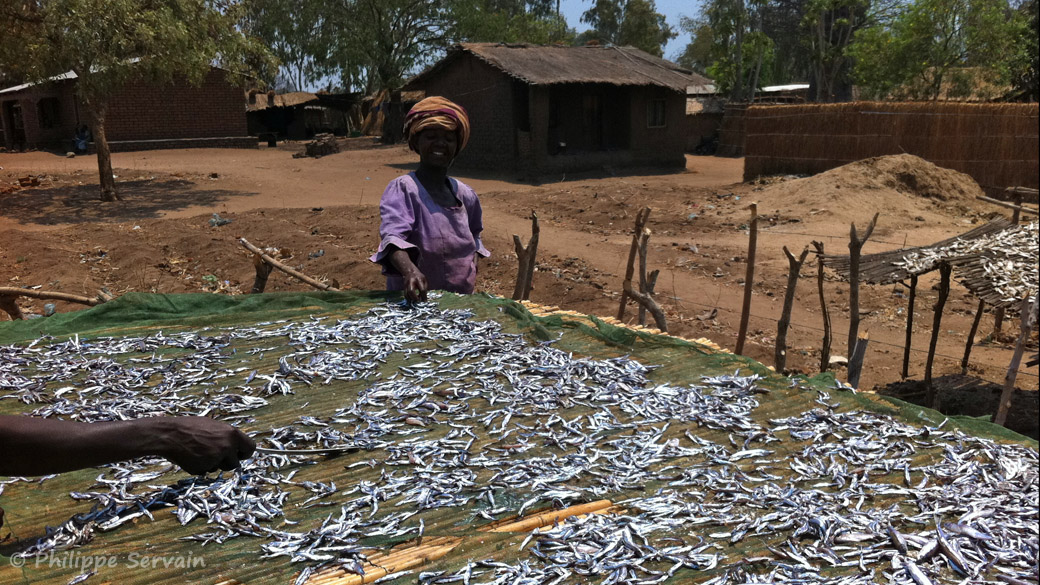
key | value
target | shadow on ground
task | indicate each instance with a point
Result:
(142, 199)
(971, 396)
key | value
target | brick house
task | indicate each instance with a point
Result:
(141, 116)
(544, 109)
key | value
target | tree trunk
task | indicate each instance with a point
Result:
(104, 155)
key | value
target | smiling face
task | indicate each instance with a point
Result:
(436, 147)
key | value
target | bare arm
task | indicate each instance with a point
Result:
(415, 285)
(35, 446)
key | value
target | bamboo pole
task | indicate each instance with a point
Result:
(909, 325)
(749, 277)
(944, 291)
(825, 350)
(856, 359)
(49, 295)
(1028, 322)
(971, 336)
(855, 246)
(293, 273)
(526, 261)
(795, 267)
(626, 285)
(551, 517)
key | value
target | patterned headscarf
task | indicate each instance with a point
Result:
(437, 112)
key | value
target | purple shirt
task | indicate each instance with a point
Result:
(442, 241)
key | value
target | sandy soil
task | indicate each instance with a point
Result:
(323, 216)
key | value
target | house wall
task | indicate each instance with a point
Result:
(60, 134)
(139, 112)
(147, 112)
(487, 95)
(663, 146)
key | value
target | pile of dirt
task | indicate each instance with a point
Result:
(903, 188)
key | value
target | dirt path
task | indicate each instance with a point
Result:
(324, 213)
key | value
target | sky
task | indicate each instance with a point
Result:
(671, 9)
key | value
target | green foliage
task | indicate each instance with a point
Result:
(1026, 64)
(508, 21)
(627, 22)
(941, 48)
(697, 54)
(292, 31)
(829, 27)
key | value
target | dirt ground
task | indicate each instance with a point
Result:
(322, 214)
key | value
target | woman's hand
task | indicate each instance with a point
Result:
(415, 284)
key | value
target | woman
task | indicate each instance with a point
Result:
(431, 223)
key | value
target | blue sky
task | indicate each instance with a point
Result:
(671, 9)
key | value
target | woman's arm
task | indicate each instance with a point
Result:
(36, 446)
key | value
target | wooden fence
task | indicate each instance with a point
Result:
(996, 144)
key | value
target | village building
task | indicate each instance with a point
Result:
(301, 115)
(543, 109)
(141, 116)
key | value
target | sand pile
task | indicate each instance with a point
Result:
(903, 188)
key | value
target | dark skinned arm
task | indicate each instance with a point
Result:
(415, 285)
(31, 446)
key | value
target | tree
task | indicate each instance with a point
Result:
(741, 53)
(291, 29)
(955, 48)
(627, 22)
(1026, 65)
(831, 25)
(697, 54)
(110, 43)
(508, 21)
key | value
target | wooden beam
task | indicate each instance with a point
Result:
(825, 349)
(795, 267)
(1007, 205)
(749, 278)
(1029, 318)
(293, 273)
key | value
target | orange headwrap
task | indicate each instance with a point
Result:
(437, 112)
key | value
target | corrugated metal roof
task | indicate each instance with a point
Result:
(552, 65)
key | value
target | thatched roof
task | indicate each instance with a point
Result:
(554, 65)
(261, 101)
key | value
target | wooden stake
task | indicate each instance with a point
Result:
(825, 350)
(909, 325)
(1016, 215)
(780, 354)
(526, 262)
(855, 246)
(749, 278)
(944, 291)
(1028, 322)
(293, 273)
(9, 305)
(626, 284)
(856, 359)
(646, 285)
(644, 299)
(971, 336)
(263, 270)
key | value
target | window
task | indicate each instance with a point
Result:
(655, 114)
(49, 111)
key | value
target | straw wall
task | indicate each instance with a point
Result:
(996, 144)
(732, 132)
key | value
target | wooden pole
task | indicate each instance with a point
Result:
(1029, 318)
(51, 295)
(651, 282)
(944, 291)
(856, 359)
(293, 273)
(825, 350)
(971, 336)
(795, 267)
(1017, 206)
(10, 306)
(1016, 215)
(909, 325)
(749, 278)
(626, 285)
(855, 246)
(526, 261)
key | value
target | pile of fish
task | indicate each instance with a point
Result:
(442, 411)
(1008, 258)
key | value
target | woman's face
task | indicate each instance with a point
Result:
(436, 147)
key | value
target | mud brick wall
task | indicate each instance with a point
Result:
(216, 108)
(996, 144)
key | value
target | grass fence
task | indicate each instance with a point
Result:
(996, 144)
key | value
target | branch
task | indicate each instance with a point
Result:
(293, 273)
